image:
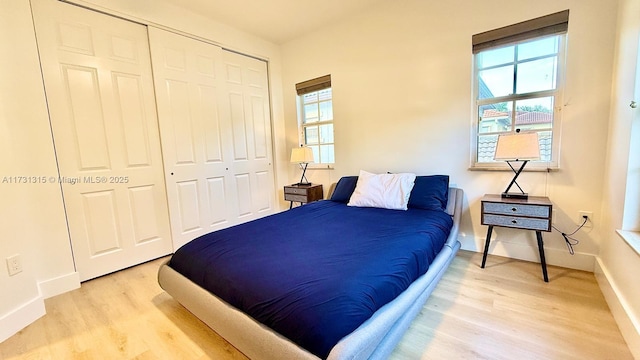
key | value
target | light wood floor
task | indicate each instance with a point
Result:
(504, 311)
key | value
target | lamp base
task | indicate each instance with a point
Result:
(522, 196)
(302, 184)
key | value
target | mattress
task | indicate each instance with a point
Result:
(317, 272)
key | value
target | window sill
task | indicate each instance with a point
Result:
(506, 168)
(320, 167)
(632, 238)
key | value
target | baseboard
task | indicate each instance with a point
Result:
(34, 309)
(19, 318)
(61, 284)
(628, 324)
(528, 251)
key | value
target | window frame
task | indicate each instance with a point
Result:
(315, 85)
(513, 35)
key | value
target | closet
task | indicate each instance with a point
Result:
(213, 108)
(149, 160)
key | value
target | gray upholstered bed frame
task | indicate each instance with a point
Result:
(374, 339)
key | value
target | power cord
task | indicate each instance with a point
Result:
(571, 242)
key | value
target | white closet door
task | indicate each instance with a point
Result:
(250, 155)
(216, 134)
(99, 88)
(194, 133)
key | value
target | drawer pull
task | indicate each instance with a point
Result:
(514, 221)
(514, 209)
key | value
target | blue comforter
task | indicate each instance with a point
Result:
(317, 272)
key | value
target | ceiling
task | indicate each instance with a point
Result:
(277, 21)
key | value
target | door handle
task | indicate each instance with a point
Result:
(633, 104)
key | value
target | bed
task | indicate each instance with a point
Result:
(324, 280)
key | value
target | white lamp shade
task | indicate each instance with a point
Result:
(301, 155)
(518, 147)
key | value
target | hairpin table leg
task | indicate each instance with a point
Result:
(543, 261)
(486, 246)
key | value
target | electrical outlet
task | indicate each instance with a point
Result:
(589, 215)
(14, 265)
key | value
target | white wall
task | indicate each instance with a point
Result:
(618, 264)
(33, 222)
(402, 83)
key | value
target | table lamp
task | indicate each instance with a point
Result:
(302, 156)
(517, 147)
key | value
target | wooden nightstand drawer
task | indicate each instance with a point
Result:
(517, 222)
(295, 198)
(295, 190)
(541, 211)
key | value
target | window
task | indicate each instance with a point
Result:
(518, 87)
(315, 118)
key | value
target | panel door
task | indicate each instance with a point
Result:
(210, 143)
(99, 88)
(250, 155)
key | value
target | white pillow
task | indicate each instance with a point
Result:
(388, 191)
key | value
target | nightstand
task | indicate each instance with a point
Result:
(533, 213)
(302, 193)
